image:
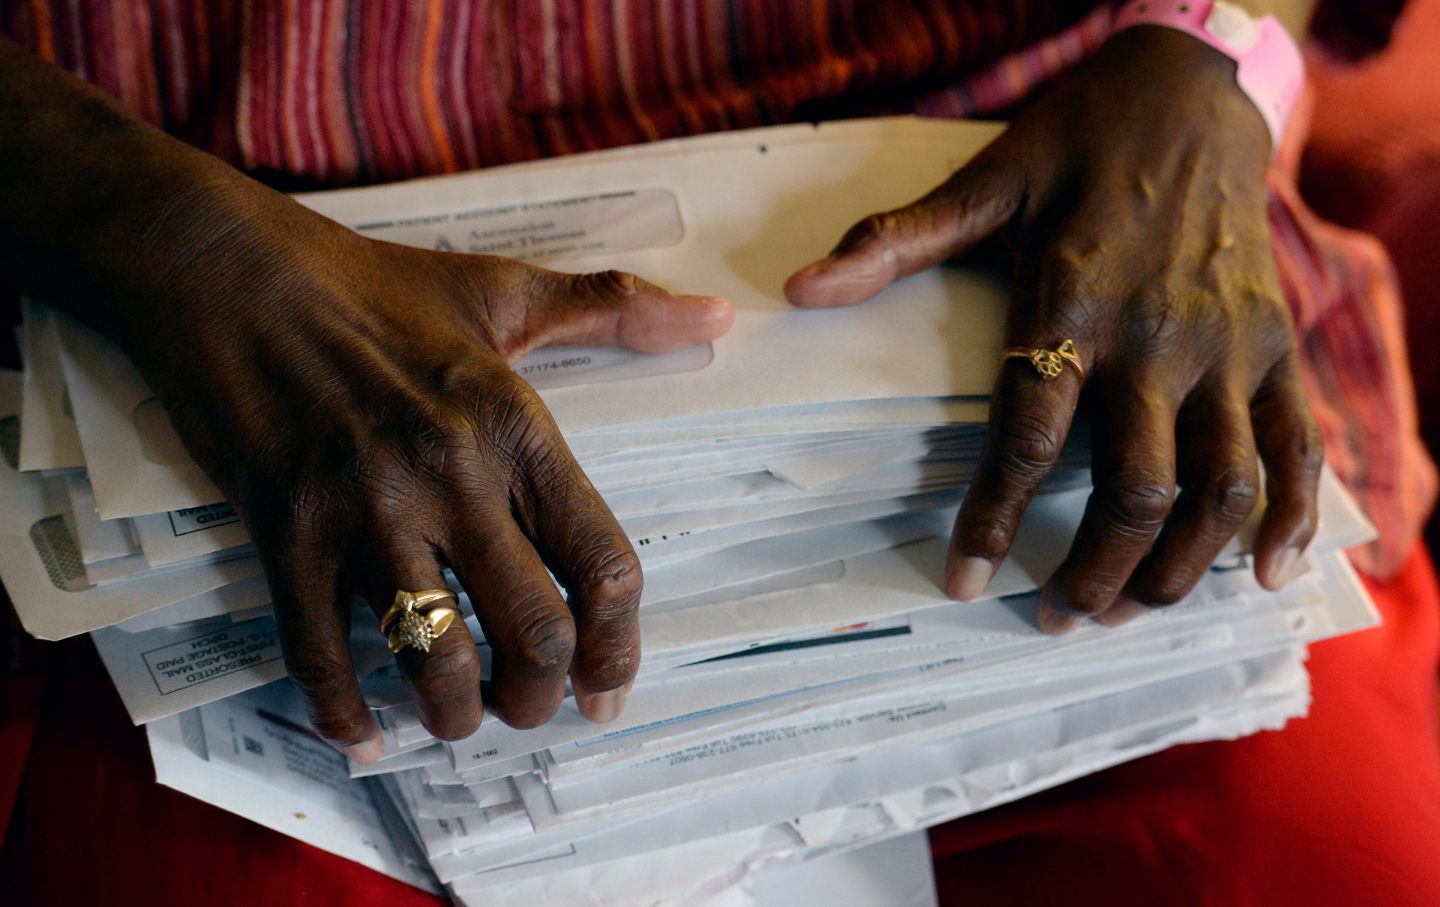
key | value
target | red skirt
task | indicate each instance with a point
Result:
(1341, 808)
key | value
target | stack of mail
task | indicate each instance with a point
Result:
(806, 688)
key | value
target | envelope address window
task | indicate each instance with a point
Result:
(577, 226)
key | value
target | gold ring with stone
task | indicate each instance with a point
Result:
(1049, 363)
(417, 619)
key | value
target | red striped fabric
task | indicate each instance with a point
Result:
(310, 93)
(337, 92)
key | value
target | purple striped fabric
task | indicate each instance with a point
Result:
(310, 93)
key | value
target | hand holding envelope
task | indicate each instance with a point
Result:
(358, 406)
(370, 437)
(1166, 300)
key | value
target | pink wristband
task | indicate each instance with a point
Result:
(1268, 65)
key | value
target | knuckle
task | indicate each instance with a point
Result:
(544, 645)
(1155, 325)
(607, 284)
(447, 675)
(1026, 446)
(1233, 494)
(610, 590)
(1140, 504)
(507, 393)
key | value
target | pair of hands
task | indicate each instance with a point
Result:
(356, 401)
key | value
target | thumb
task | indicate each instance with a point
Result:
(613, 308)
(883, 248)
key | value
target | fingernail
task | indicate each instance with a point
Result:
(366, 752)
(716, 314)
(1124, 610)
(603, 708)
(1051, 619)
(1284, 570)
(969, 578)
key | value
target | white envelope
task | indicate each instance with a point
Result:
(253, 755)
(936, 334)
(1048, 745)
(165, 671)
(42, 571)
(749, 221)
(50, 440)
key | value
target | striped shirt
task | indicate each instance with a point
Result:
(315, 93)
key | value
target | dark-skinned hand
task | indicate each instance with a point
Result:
(1132, 203)
(354, 400)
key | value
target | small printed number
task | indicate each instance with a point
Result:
(554, 365)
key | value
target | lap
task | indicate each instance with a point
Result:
(1341, 807)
